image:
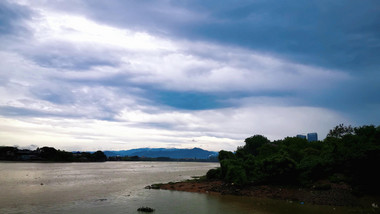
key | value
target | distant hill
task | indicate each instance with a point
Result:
(163, 152)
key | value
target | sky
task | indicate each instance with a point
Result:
(114, 75)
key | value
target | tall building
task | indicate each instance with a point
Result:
(312, 137)
(301, 136)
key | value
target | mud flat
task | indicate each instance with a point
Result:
(334, 195)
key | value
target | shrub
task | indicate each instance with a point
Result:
(213, 174)
(236, 174)
(278, 168)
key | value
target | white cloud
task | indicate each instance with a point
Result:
(74, 73)
(172, 64)
(210, 129)
(53, 26)
(235, 124)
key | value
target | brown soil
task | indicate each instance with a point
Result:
(337, 195)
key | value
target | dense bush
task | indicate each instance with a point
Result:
(213, 174)
(347, 154)
(236, 174)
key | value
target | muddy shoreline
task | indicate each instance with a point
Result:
(336, 195)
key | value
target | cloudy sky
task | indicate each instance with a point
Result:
(115, 74)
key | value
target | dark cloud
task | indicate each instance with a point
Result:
(71, 62)
(101, 113)
(27, 112)
(64, 55)
(340, 34)
(11, 16)
(188, 100)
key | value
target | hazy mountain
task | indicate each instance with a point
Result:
(163, 152)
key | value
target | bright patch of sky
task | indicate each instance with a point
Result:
(80, 75)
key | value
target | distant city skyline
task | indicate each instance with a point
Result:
(112, 75)
(302, 136)
(310, 137)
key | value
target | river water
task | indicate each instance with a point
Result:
(118, 187)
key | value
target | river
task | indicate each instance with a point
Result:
(118, 187)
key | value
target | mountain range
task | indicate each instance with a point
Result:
(194, 153)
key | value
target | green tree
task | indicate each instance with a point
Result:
(340, 130)
(278, 168)
(236, 174)
(214, 173)
(232, 170)
(225, 155)
(294, 147)
(48, 153)
(253, 143)
(348, 154)
(99, 156)
(8, 153)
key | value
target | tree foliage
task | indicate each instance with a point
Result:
(340, 130)
(253, 143)
(49, 154)
(99, 156)
(347, 154)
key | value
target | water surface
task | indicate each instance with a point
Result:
(118, 187)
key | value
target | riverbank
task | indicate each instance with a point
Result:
(324, 194)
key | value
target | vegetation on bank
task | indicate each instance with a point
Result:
(349, 155)
(165, 159)
(49, 154)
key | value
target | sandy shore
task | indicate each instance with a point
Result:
(337, 195)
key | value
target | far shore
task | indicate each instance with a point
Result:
(337, 195)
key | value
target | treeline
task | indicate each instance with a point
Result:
(137, 158)
(49, 154)
(349, 155)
